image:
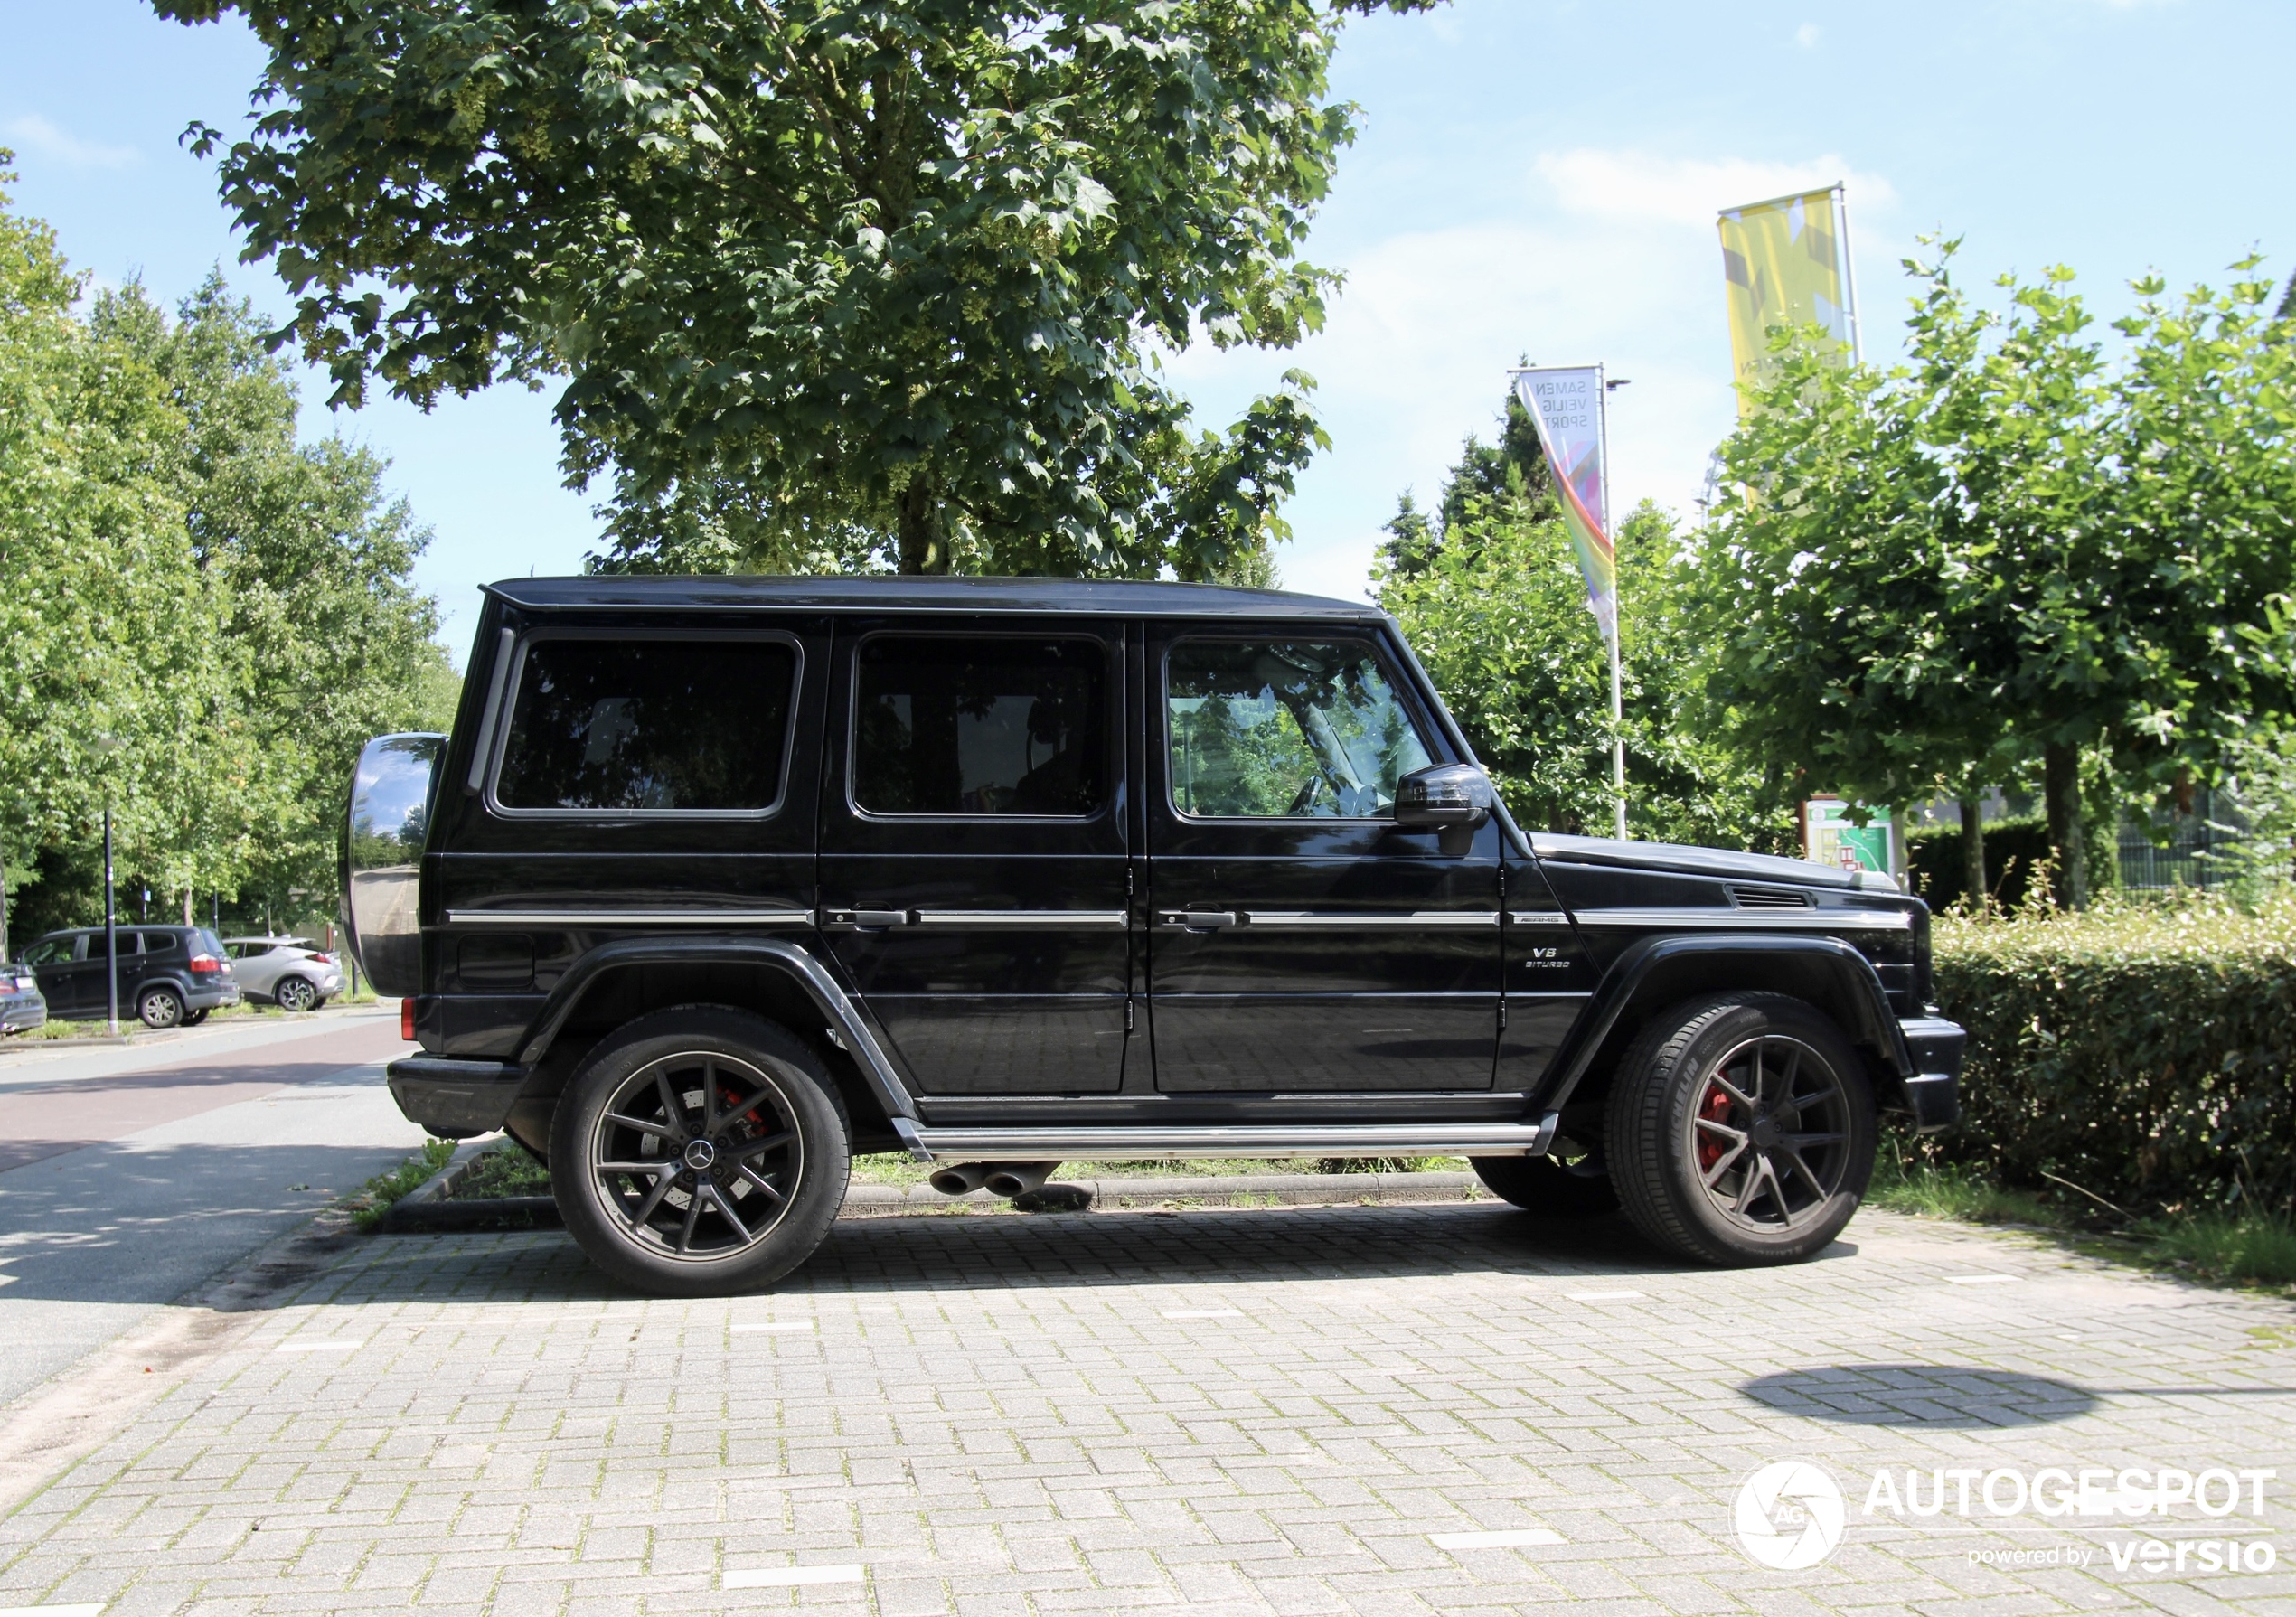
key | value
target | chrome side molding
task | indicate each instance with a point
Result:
(629, 917)
(1085, 1143)
(1742, 920)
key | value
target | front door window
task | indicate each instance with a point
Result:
(1286, 729)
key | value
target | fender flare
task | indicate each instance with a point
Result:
(836, 1007)
(1650, 961)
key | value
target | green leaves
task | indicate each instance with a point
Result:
(895, 265)
(1921, 579)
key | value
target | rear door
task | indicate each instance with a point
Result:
(973, 862)
(1299, 939)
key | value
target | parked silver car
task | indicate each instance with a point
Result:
(292, 972)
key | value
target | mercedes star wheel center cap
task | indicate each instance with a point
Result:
(700, 1154)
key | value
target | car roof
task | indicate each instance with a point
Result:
(1090, 596)
(253, 938)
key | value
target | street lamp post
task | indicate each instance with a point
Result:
(105, 747)
(111, 932)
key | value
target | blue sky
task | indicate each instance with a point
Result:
(1534, 176)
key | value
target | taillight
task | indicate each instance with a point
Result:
(323, 959)
(406, 1019)
(206, 962)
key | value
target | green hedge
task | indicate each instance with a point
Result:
(2143, 1054)
(2014, 849)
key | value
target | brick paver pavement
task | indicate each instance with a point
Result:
(1256, 1412)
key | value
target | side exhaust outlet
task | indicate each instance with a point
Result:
(1018, 1178)
(960, 1179)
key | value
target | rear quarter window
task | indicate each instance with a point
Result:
(649, 725)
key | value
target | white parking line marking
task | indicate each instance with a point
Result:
(1511, 1538)
(1980, 1280)
(783, 1577)
(773, 1325)
(1203, 1314)
(1601, 1296)
(282, 1348)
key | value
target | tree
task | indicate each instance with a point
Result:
(2006, 550)
(812, 265)
(110, 629)
(309, 558)
(1497, 611)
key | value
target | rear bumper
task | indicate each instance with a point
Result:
(1934, 1094)
(454, 1099)
(20, 1014)
(199, 995)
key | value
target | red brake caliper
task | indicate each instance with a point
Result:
(1713, 1108)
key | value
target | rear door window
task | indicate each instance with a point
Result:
(649, 725)
(950, 724)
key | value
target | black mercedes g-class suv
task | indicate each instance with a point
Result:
(720, 881)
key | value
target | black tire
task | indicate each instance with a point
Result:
(193, 1019)
(159, 1006)
(1741, 1130)
(677, 1220)
(1570, 1184)
(297, 994)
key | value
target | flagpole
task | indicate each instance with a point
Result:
(1849, 276)
(1610, 526)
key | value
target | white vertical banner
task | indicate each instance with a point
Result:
(1568, 403)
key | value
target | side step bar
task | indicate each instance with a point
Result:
(1217, 1139)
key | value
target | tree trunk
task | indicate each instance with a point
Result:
(2061, 790)
(1976, 892)
(923, 546)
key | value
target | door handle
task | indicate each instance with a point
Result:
(1202, 920)
(871, 920)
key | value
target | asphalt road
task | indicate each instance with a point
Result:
(129, 1176)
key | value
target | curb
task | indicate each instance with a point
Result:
(425, 1207)
(429, 1207)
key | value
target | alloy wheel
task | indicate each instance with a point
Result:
(296, 994)
(1769, 1139)
(698, 1156)
(160, 1008)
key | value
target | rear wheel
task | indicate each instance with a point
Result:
(296, 993)
(191, 1018)
(699, 1152)
(160, 1007)
(1742, 1130)
(1571, 1182)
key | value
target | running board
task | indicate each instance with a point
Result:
(1214, 1140)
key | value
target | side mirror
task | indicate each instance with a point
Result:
(1444, 795)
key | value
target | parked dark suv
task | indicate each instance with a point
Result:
(718, 881)
(169, 976)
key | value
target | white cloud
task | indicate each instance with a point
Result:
(1626, 271)
(1638, 185)
(36, 134)
(1806, 36)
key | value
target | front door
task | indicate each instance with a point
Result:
(973, 861)
(1299, 939)
(71, 985)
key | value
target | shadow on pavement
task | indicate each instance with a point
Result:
(972, 1252)
(1929, 1397)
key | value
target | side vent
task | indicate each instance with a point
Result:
(1769, 898)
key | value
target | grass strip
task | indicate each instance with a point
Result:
(2251, 1249)
(374, 1198)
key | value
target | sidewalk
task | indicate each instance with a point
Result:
(1278, 1411)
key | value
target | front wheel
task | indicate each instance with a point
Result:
(1742, 1130)
(699, 1152)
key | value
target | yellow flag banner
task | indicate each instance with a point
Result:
(1784, 265)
